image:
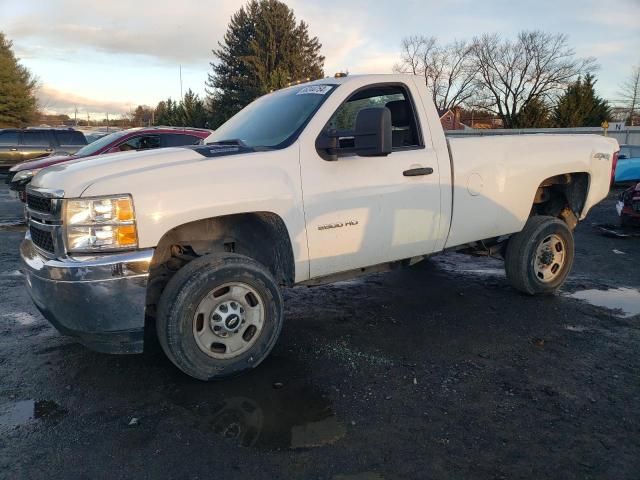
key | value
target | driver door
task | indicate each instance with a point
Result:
(363, 211)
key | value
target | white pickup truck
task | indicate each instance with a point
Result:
(309, 184)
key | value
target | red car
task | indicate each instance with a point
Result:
(629, 206)
(132, 139)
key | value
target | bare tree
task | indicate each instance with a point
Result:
(630, 95)
(448, 70)
(535, 66)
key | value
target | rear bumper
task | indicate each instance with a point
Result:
(99, 300)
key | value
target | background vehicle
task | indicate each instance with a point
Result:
(628, 166)
(628, 206)
(125, 140)
(19, 145)
(310, 184)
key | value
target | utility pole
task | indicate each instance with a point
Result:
(107, 122)
(75, 116)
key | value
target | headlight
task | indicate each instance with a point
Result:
(105, 223)
(24, 175)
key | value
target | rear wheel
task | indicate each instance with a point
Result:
(219, 316)
(539, 258)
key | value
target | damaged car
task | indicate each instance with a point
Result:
(628, 206)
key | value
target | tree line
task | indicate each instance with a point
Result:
(533, 80)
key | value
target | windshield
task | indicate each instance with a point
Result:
(275, 120)
(94, 147)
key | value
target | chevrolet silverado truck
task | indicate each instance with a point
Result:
(310, 184)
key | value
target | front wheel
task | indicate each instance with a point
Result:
(219, 316)
(539, 258)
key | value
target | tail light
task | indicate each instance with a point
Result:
(614, 163)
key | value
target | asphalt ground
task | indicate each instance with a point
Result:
(440, 370)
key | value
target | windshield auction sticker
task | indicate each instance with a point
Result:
(315, 90)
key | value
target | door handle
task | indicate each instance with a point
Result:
(13, 149)
(418, 172)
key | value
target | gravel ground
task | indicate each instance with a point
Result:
(436, 371)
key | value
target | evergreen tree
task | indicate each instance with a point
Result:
(17, 89)
(190, 112)
(579, 106)
(535, 114)
(193, 111)
(264, 48)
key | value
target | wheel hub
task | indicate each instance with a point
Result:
(550, 258)
(227, 318)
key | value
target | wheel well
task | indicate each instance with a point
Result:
(562, 196)
(262, 236)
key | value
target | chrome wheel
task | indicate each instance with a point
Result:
(550, 258)
(228, 320)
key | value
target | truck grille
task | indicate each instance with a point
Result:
(42, 239)
(40, 204)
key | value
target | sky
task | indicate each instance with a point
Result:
(109, 56)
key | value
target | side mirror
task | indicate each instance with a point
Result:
(327, 145)
(373, 137)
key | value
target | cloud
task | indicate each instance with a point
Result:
(621, 14)
(602, 49)
(53, 100)
(182, 32)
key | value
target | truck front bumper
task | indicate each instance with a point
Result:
(100, 300)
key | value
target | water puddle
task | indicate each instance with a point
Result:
(24, 411)
(623, 300)
(23, 318)
(273, 409)
(13, 226)
(469, 265)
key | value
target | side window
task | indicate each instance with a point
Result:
(34, 139)
(403, 119)
(9, 139)
(71, 138)
(143, 142)
(177, 140)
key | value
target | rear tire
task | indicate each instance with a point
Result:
(219, 316)
(539, 258)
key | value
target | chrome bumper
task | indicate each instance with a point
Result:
(100, 300)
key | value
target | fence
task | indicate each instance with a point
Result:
(627, 136)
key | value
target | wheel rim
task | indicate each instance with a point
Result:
(228, 320)
(550, 258)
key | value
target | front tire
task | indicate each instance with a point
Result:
(539, 258)
(219, 316)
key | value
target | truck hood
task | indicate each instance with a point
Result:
(74, 177)
(42, 162)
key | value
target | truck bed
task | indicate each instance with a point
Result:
(495, 179)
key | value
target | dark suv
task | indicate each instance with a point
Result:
(18, 145)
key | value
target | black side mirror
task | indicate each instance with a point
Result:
(373, 136)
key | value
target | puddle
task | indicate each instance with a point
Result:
(250, 412)
(14, 274)
(575, 328)
(469, 265)
(13, 226)
(23, 318)
(15, 414)
(23, 411)
(623, 300)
